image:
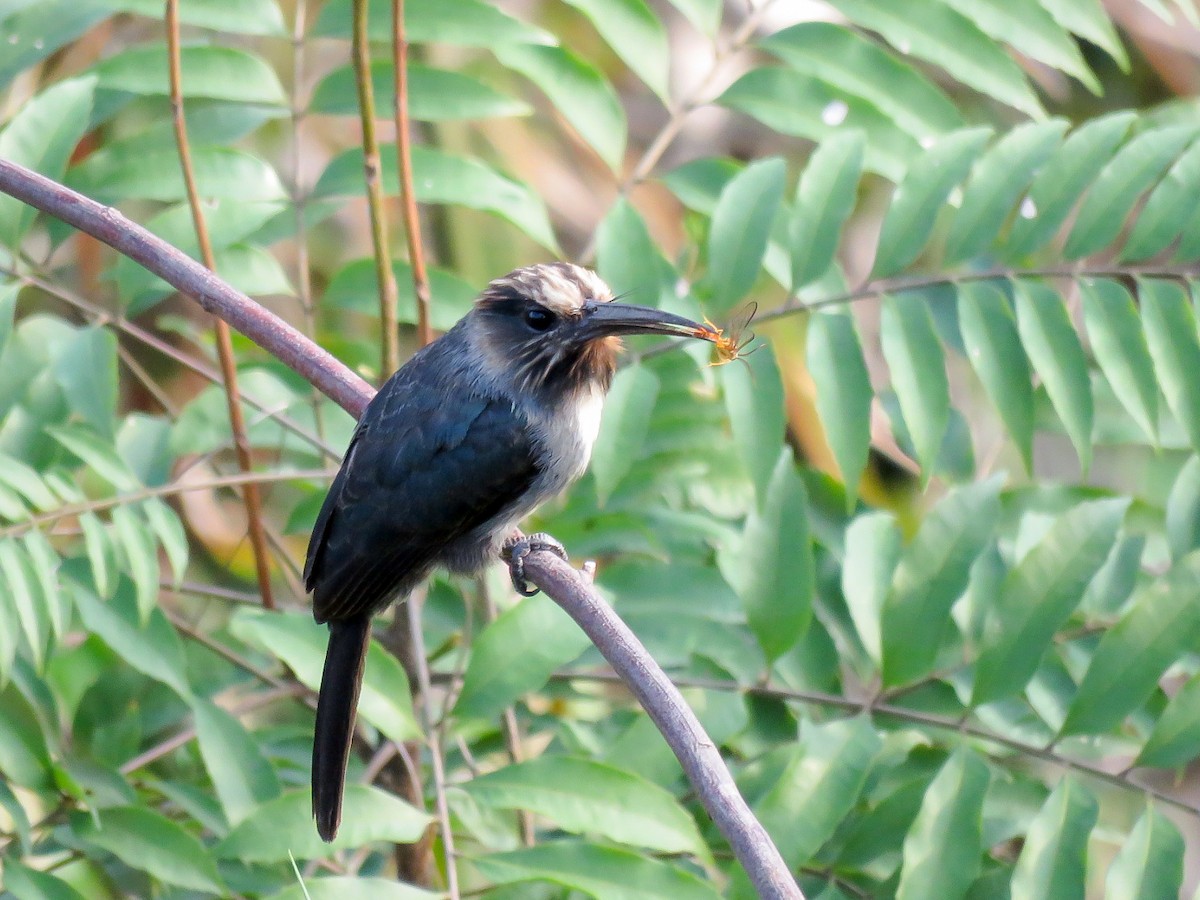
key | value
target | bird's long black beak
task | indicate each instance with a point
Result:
(609, 319)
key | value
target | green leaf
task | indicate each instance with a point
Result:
(1149, 864)
(22, 589)
(704, 14)
(819, 786)
(434, 95)
(587, 797)
(442, 178)
(1088, 19)
(1166, 210)
(140, 553)
(257, 17)
(601, 872)
(1183, 510)
(843, 388)
(1026, 26)
(754, 403)
(989, 333)
(1175, 740)
(873, 547)
(240, 773)
(623, 427)
(578, 90)
(385, 701)
(918, 198)
(1115, 334)
(772, 568)
(353, 286)
(33, 884)
(125, 171)
(99, 455)
(9, 290)
(1053, 861)
(86, 369)
(215, 73)
(1171, 336)
(1049, 338)
(849, 62)
(354, 887)
(165, 525)
(626, 256)
(37, 32)
(152, 647)
(284, 825)
(1161, 625)
(1040, 593)
(41, 136)
(932, 574)
(149, 842)
(465, 23)
(636, 35)
(741, 226)
(99, 553)
(997, 182)
(918, 370)
(943, 848)
(1137, 166)
(806, 106)
(824, 200)
(1072, 168)
(946, 38)
(516, 654)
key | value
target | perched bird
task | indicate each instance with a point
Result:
(463, 441)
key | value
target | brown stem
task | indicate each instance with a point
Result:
(389, 360)
(408, 199)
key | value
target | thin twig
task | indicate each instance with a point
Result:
(389, 357)
(233, 404)
(408, 198)
(433, 739)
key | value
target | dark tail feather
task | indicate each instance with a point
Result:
(336, 706)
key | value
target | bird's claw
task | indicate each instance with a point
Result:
(514, 552)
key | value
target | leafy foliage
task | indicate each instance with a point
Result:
(925, 564)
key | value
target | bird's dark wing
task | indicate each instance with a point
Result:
(425, 467)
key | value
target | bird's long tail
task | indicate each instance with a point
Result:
(336, 706)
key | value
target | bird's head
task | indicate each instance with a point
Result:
(556, 327)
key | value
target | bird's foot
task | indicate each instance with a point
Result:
(514, 551)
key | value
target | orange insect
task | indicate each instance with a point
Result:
(731, 342)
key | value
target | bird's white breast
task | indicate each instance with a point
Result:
(587, 415)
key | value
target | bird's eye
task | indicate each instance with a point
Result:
(539, 319)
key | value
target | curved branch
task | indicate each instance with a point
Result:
(700, 758)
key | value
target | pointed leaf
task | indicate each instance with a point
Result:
(997, 183)
(86, 369)
(1149, 864)
(1115, 333)
(918, 198)
(149, 842)
(578, 90)
(1137, 166)
(1175, 740)
(1162, 624)
(257, 17)
(914, 357)
(141, 557)
(932, 574)
(843, 388)
(34, 884)
(1053, 862)
(989, 333)
(626, 256)
(1088, 19)
(43, 564)
(848, 61)
(943, 848)
(354, 887)
(1053, 346)
(516, 654)
(704, 14)
(825, 198)
(117, 173)
(741, 225)
(773, 567)
(587, 797)
(1166, 211)
(284, 826)
(948, 39)
(22, 589)
(434, 95)
(623, 427)
(1040, 593)
(215, 73)
(97, 454)
(754, 403)
(819, 787)
(1171, 336)
(873, 550)
(636, 35)
(240, 773)
(1183, 510)
(1072, 168)
(464, 23)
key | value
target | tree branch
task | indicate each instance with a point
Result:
(700, 758)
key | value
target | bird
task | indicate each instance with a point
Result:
(466, 439)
